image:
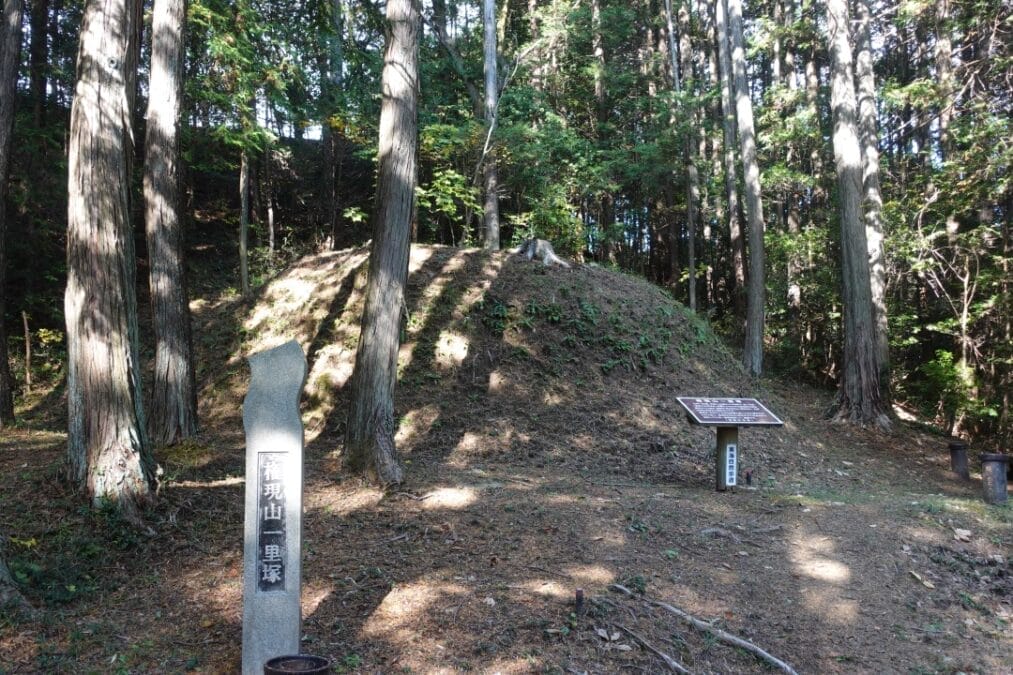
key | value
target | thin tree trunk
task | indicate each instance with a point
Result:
(107, 438)
(38, 52)
(333, 76)
(756, 291)
(867, 122)
(244, 222)
(174, 390)
(859, 398)
(369, 439)
(735, 238)
(490, 216)
(682, 74)
(944, 76)
(10, 52)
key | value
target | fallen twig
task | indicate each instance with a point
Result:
(722, 532)
(669, 661)
(716, 632)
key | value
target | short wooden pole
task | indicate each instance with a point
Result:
(727, 458)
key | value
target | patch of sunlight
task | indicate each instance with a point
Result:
(450, 498)
(416, 423)
(496, 382)
(813, 557)
(552, 399)
(313, 595)
(564, 500)
(418, 257)
(546, 589)
(451, 349)
(591, 574)
(404, 357)
(831, 607)
(459, 456)
(405, 607)
(904, 414)
(224, 482)
(341, 501)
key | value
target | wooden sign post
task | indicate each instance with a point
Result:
(728, 414)
(272, 566)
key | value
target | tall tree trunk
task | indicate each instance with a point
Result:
(867, 124)
(369, 439)
(944, 76)
(10, 52)
(107, 439)
(682, 76)
(332, 75)
(244, 222)
(38, 53)
(490, 217)
(735, 239)
(859, 399)
(174, 392)
(756, 291)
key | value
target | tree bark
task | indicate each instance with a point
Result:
(859, 398)
(867, 124)
(107, 439)
(10, 52)
(369, 440)
(756, 290)
(682, 74)
(490, 217)
(244, 223)
(174, 395)
(38, 53)
(333, 67)
(728, 143)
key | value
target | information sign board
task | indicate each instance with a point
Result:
(728, 412)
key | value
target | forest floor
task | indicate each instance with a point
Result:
(544, 452)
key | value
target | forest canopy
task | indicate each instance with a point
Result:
(609, 135)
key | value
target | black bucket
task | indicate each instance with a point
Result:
(299, 663)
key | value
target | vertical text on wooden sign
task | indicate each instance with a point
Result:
(271, 548)
(731, 470)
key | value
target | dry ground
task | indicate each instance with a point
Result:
(544, 452)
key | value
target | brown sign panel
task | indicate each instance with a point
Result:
(728, 412)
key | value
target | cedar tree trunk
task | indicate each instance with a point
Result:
(859, 397)
(369, 440)
(728, 144)
(755, 290)
(10, 52)
(868, 128)
(490, 217)
(174, 394)
(107, 440)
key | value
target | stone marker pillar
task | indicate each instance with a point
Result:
(272, 571)
(727, 458)
(958, 459)
(993, 477)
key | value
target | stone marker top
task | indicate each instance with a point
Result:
(728, 412)
(276, 379)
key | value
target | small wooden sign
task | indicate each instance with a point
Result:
(729, 412)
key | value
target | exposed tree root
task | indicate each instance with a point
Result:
(716, 632)
(673, 665)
